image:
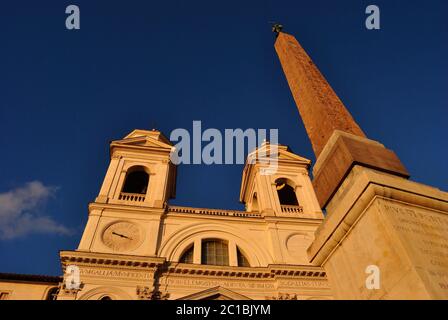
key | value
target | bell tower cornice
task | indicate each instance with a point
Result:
(143, 142)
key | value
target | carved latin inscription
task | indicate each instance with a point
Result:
(425, 234)
(115, 273)
(206, 283)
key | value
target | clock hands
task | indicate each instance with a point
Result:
(120, 235)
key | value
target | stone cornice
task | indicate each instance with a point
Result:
(153, 264)
(213, 212)
(271, 271)
(27, 278)
(127, 208)
(301, 220)
(235, 214)
(116, 149)
(181, 211)
(107, 259)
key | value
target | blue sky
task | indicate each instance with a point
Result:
(138, 64)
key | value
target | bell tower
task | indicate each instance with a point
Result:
(125, 216)
(276, 184)
(140, 172)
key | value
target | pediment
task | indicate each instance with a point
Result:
(281, 152)
(215, 293)
(145, 138)
(143, 142)
(287, 155)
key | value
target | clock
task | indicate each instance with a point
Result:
(122, 236)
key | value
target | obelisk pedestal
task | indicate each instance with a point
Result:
(383, 220)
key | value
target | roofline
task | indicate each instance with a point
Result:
(30, 278)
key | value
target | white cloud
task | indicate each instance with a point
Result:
(19, 214)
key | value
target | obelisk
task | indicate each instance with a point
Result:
(321, 109)
(384, 236)
(325, 116)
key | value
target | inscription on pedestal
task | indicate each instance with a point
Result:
(425, 232)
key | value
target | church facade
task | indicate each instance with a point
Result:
(137, 246)
(153, 250)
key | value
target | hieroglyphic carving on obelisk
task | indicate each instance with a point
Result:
(338, 142)
(320, 108)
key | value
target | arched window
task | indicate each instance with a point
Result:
(215, 251)
(242, 260)
(106, 298)
(286, 193)
(136, 181)
(187, 257)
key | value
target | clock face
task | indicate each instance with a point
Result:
(122, 236)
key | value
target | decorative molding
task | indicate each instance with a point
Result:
(70, 292)
(112, 291)
(215, 292)
(110, 260)
(144, 293)
(291, 209)
(284, 296)
(214, 212)
(246, 273)
(119, 206)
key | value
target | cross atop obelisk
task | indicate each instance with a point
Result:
(320, 108)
